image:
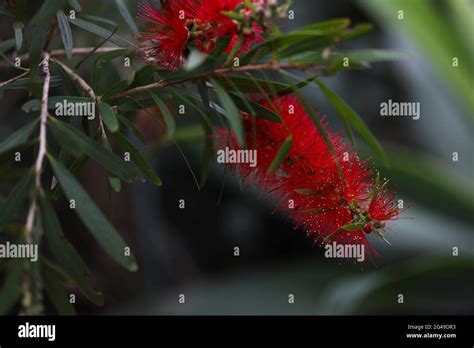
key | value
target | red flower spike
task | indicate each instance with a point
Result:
(308, 185)
(182, 24)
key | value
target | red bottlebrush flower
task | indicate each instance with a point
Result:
(182, 24)
(210, 14)
(167, 40)
(319, 189)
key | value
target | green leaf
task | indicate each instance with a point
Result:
(77, 143)
(39, 27)
(144, 76)
(99, 226)
(260, 111)
(108, 115)
(18, 137)
(131, 127)
(54, 283)
(167, 116)
(5, 12)
(18, 28)
(104, 59)
(138, 159)
(62, 249)
(296, 86)
(115, 183)
(125, 13)
(352, 227)
(100, 20)
(7, 45)
(349, 115)
(34, 104)
(208, 150)
(320, 42)
(24, 83)
(75, 5)
(13, 202)
(66, 34)
(118, 87)
(281, 155)
(101, 32)
(11, 290)
(246, 85)
(232, 112)
(20, 7)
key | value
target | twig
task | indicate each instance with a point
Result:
(85, 86)
(218, 72)
(42, 146)
(13, 79)
(81, 51)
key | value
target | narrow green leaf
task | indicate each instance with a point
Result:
(103, 59)
(18, 137)
(281, 155)
(100, 20)
(144, 76)
(138, 158)
(352, 227)
(72, 263)
(346, 113)
(39, 26)
(125, 13)
(75, 5)
(99, 226)
(208, 155)
(20, 7)
(78, 143)
(54, 283)
(11, 290)
(259, 110)
(131, 127)
(296, 86)
(246, 85)
(115, 183)
(232, 112)
(101, 32)
(109, 117)
(5, 12)
(118, 87)
(24, 83)
(34, 104)
(13, 202)
(167, 116)
(18, 28)
(7, 45)
(66, 34)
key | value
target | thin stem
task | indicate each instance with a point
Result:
(42, 146)
(218, 72)
(13, 79)
(85, 86)
(80, 51)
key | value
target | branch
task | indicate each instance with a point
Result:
(85, 86)
(218, 72)
(42, 146)
(81, 51)
(13, 79)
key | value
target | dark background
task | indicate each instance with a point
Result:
(190, 251)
